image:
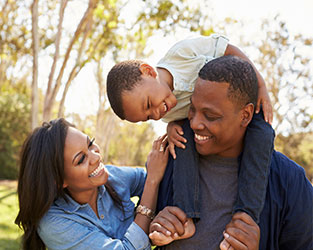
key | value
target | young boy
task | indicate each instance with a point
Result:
(138, 92)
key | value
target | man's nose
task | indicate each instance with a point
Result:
(196, 123)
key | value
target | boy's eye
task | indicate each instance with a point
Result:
(148, 103)
(81, 160)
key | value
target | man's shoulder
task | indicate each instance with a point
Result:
(284, 171)
(283, 165)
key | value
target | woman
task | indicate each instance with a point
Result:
(69, 199)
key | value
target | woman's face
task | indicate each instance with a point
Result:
(83, 169)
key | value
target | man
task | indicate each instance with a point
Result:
(222, 106)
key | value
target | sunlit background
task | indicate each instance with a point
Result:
(276, 35)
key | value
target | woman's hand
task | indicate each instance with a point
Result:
(157, 159)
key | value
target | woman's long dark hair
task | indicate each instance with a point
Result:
(41, 178)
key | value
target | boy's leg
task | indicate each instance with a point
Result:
(187, 197)
(254, 167)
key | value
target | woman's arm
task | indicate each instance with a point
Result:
(156, 165)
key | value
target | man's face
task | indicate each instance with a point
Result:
(215, 120)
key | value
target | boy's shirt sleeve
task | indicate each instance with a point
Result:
(185, 59)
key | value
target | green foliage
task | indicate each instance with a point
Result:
(298, 147)
(131, 144)
(9, 232)
(14, 126)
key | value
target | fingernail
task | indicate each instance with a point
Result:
(226, 235)
(175, 235)
(181, 132)
(168, 233)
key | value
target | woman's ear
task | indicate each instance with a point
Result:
(247, 114)
(147, 70)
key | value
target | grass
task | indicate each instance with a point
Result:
(9, 232)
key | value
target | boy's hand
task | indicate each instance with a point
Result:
(175, 138)
(264, 100)
(169, 225)
(242, 233)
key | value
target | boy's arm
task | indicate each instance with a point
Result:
(263, 97)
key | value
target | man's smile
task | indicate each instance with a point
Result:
(202, 138)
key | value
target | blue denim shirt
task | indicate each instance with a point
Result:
(74, 226)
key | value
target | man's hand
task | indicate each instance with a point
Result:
(175, 138)
(169, 225)
(242, 233)
(264, 100)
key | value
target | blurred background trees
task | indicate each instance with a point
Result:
(71, 43)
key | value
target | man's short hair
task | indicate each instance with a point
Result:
(122, 77)
(239, 74)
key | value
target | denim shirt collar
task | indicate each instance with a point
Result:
(71, 205)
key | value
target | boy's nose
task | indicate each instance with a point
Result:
(156, 114)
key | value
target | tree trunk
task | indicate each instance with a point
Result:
(35, 47)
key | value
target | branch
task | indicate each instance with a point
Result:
(57, 49)
(78, 64)
(91, 7)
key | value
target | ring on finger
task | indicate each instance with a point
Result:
(161, 148)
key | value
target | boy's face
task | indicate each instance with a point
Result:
(149, 99)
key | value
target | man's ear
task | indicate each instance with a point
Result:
(247, 114)
(147, 70)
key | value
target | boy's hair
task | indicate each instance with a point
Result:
(122, 77)
(239, 74)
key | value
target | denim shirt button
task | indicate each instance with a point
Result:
(102, 216)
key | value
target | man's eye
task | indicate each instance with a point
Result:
(211, 118)
(81, 160)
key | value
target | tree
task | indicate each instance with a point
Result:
(35, 46)
(14, 125)
(286, 65)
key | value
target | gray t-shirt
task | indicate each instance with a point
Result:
(218, 185)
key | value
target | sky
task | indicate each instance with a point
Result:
(297, 15)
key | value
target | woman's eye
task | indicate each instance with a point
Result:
(91, 142)
(81, 160)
